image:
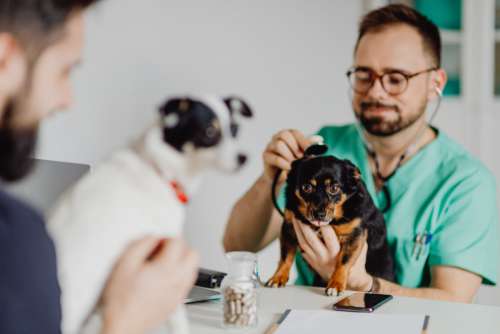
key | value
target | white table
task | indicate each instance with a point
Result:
(453, 318)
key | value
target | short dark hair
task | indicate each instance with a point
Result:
(36, 23)
(395, 14)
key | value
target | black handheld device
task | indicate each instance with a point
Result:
(361, 302)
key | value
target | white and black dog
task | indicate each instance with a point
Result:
(140, 190)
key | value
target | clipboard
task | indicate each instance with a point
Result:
(293, 321)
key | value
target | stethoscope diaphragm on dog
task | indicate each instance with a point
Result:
(315, 150)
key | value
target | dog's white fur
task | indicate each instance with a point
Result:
(126, 197)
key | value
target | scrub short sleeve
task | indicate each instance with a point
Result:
(467, 234)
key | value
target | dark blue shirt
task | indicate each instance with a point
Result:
(29, 291)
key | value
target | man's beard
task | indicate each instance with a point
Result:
(378, 126)
(16, 147)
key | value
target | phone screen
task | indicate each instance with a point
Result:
(361, 302)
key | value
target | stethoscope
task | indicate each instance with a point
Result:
(411, 149)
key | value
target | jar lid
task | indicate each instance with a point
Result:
(242, 263)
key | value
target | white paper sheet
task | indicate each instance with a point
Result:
(324, 321)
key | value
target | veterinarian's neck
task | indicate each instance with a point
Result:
(392, 147)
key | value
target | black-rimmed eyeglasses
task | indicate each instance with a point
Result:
(393, 82)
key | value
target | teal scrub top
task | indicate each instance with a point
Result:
(442, 191)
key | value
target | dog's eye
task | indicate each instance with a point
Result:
(210, 132)
(332, 189)
(307, 188)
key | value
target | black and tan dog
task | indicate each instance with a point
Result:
(324, 190)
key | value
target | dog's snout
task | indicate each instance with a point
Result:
(320, 215)
(242, 158)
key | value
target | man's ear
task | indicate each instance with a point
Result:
(12, 63)
(6, 48)
(438, 79)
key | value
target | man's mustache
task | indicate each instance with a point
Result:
(374, 104)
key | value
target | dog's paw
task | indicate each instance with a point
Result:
(331, 292)
(334, 289)
(277, 281)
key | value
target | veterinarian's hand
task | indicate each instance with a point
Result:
(285, 147)
(322, 255)
(147, 284)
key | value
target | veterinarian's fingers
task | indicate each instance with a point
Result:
(309, 259)
(290, 140)
(304, 143)
(189, 256)
(187, 266)
(172, 251)
(301, 239)
(362, 255)
(281, 148)
(276, 161)
(331, 240)
(139, 250)
(315, 242)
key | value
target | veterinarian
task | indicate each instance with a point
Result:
(440, 203)
(40, 44)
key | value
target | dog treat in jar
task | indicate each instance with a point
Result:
(239, 289)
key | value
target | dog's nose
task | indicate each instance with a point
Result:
(241, 159)
(320, 215)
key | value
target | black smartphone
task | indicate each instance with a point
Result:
(361, 302)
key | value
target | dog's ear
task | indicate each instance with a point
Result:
(292, 177)
(353, 169)
(237, 105)
(296, 163)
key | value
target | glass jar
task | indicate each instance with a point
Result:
(239, 290)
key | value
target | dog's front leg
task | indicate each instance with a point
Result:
(348, 254)
(288, 246)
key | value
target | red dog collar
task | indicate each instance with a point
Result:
(181, 195)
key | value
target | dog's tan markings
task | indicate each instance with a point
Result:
(216, 124)
(347, 228)
(303, 206)
(330, 210)
(357, 174)
(184, 105)
(339, 207)
(282, 274)
(288, 250)
(289, 216)
(346, 258)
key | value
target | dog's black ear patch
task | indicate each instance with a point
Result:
(292, 177)
(296, 163)
(236, 105)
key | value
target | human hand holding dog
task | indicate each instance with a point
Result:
(322, 255)
(284, 147)
(149, 281)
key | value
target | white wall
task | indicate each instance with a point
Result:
(286, 57)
